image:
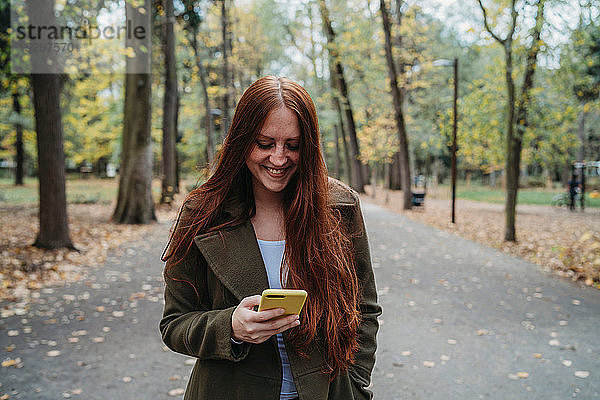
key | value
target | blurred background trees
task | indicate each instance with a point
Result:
(205, 53)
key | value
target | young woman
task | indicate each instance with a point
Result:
(269, 216)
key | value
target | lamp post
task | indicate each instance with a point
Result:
(453, 164)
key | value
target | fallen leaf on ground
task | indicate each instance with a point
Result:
(582, 374)
(9, 363)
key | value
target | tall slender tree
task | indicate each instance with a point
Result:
(134, 203)
(13, 84)
(335, 101)
(399, 116)
(340, 80)
(47, 85)
(516, 109)
(192, 20)
(586, 38)
(20, 150)
(225, 78)
(210, 141)
(170, 102)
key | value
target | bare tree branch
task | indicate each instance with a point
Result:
(513, 13)
(487, 25)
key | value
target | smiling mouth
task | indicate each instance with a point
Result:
(276, 171)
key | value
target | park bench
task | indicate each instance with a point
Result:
(418, 199)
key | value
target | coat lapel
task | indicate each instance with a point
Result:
(234, 256)
(233, 253)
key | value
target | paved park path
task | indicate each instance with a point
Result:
(460, 321)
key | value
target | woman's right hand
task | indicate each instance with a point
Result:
(258, 326)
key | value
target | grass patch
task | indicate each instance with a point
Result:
(79, 191)
(542, 197)
(104, 191)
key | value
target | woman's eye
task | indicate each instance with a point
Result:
(263, 145)
(293, 147)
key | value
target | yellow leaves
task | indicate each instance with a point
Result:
(585, 237)
(9, 363)
(130, 52)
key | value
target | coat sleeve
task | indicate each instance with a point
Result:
(360, 371)
(189, 326)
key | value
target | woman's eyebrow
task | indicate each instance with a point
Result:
(261, 136)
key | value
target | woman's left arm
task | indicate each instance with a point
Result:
(360, 371)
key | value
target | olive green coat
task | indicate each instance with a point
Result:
(225, 267)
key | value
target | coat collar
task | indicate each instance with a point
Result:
(233, 253)
(234, 256)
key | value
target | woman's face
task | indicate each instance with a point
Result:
(274, 157)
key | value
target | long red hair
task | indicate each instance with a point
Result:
(318, 251)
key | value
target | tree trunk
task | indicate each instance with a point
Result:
(54, 227)
(514, 137)
(515, 141)
(548, 178)
(179, 137)
(581, 133)
(135, 204)
(513, 150)
(20, 152)
(493, 179)
(338, 156)
(395, 181)
(336, 104)
(349, 173)
(169, 125)
(210, 144)
(313, 51)
(373, 179)
(357, 170)
(397, 99)
(225, 73)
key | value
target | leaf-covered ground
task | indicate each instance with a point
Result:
(25, 269)
(555, 238)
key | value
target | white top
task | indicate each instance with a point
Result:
(272, 254)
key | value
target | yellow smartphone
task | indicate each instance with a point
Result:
(291, 300)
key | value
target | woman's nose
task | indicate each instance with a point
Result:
(278, 157)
